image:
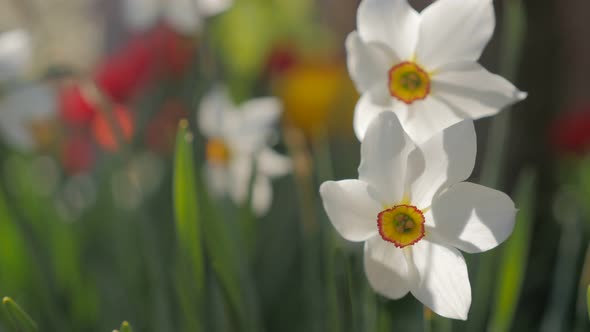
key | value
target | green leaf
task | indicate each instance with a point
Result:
(513, 260)
(190, 264)
(494, 160)
(588, 301)
(15, 259)
(19, 319)
(229, 262)
(186, 212)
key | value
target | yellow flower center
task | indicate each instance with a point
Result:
(402, 225)
(217, 152)
(408, 82)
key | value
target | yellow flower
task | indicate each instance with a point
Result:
(318, 96)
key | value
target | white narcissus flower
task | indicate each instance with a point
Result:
(423, 66)
(25, 111)
(15, 54)
(413, 211)
(237, 144)
(186, 16)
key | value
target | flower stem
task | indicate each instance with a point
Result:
(310, 236)
(427, 314)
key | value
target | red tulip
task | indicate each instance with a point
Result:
(123, 73)
(75, 109)
(109, 129)
(570, 133)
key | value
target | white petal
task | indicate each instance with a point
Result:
(454, 30)
(15, 54)
(472, 91)
(141, 14)
(368, 63)
(273, 164)
(240, 173)
(352, 208)
(446, 158)
(440, 280)
(217, 180)
(20, 109)
(371, 104)
(261, 112)
(213, 7)
(386, 268)
(384, 157)
(391, 22)
(254, 124)
(183, 15)
(473, 218)
(428, 117)
(213, 112)
(261, 195)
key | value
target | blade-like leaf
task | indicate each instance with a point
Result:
(514, 24)
(230, 264)
(19, 319)
(188, 226)
(513, 261)
(190, 268)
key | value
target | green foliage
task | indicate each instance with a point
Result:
(513, 260)
(190, 268)
(17, 317)
(188, 226)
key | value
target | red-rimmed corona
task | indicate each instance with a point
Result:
(425, 212)
(402, 225)
(408, 82)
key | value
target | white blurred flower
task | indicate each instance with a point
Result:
(15, 54)
(423, 66)
(23, 111)
(413, 210)
(237, 143)
(185, 16)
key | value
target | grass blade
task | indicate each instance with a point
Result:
(513, 260)
(185, 203)
(20, 320)
(188, 228)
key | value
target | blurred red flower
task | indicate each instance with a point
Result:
(145, 57)
(74, 107)
(280, 59)
(161, 132)
(109, 129)
(570, 132)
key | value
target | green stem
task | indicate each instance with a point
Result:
(427, 314)
(299, 152)
(570, 245)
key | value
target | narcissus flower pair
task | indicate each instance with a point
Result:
(237, 147)
(413, 210)
(423, 66)
(421, 85)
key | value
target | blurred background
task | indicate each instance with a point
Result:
(105, 215)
